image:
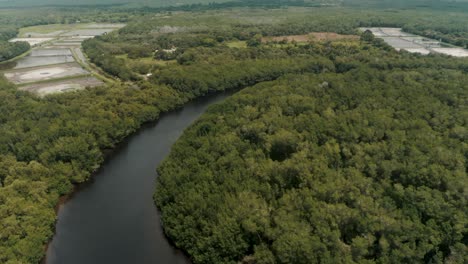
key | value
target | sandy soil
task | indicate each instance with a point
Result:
(400, 43)
(62, 86)
(388, 32)
(45, 73)
(456, 52)
(420, 51)
(326, 36)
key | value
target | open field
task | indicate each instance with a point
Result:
(314, 36)
(55, 30)
(400, 40)
(456, 52)
(88, 32)
(43, 89)
(422, 51)
(30, 75)
(32, 41)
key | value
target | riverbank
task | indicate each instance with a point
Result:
(126, 177)
(109, 154)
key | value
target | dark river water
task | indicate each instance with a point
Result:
(113, 219)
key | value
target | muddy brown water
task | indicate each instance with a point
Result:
(113, 219)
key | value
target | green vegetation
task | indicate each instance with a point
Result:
(236, 44)
(367, 166)
(49, 144)
(46, 145)
(361, 146)
(11, 50)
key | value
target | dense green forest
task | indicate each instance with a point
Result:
(368, 166)
(10, 50)
(48, 144)
(164, 59)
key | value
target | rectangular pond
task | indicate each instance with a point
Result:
(31, 61)
(50, 52)
(401, 40)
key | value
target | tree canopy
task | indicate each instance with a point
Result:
(347, 149)
(368, 166)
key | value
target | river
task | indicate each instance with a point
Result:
(113, 218)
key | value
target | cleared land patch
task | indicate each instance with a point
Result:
(314, 36)
(43, 89)
(54, 30)
(32, 41)
(53, 66)
(88, 32)
(456, 52)
(30, 75)
(401, 40)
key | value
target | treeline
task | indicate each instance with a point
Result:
(210, 28)
(197, 80)
(7, 33)
(47, 145)
(10, 50)
(100, 56)
(363, 167)
(240, 3)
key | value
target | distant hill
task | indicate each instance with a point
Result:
(405, 3)
(154, 3)
(435, 4)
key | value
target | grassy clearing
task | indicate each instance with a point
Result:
(237, 44)
(164, 63)
(47, 29)
(147, 60)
